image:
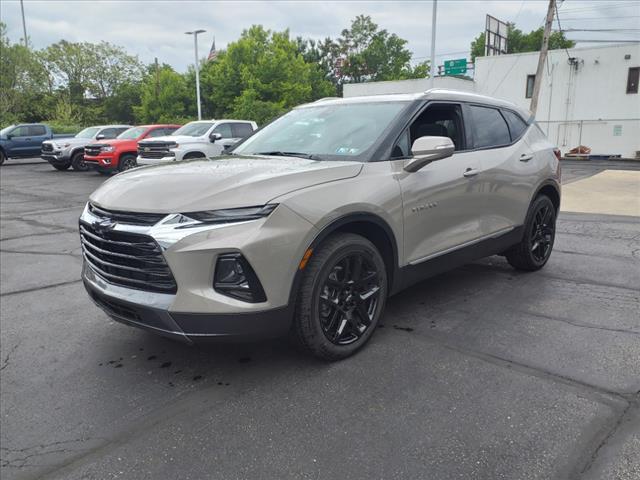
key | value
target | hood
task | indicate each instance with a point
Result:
(72, 141)
(115, 141)
(228, 182)
(171, 138)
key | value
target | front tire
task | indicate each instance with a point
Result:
(127, 162)
(3, 157)
(78, 163)
(61, 167)
(534, 250)
(341, 297)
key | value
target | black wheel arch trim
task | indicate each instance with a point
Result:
(335, 225)
(549, 182)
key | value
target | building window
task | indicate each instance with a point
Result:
(531, 79)
(632, 80)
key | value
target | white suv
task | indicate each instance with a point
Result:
(201, 139)
(310, 224)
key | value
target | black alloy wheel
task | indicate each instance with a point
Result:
(542, 233)
(341, 297)
(349, 298)
(534, 250)
(78, 163)
(127, 162)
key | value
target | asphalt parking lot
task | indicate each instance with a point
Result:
(480, 373)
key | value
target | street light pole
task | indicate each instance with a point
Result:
(195, 45)
(24, 25)
(433, 43)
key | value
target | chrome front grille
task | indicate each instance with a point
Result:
(92, 150)
(128, 259)
(155, 149)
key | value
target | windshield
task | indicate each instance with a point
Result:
(327, 132)
(88, 132)
(194, 129)
(132, 133)
(6, 130)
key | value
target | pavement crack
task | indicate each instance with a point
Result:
(34, 252)
(577, 323)
(35, 289)
(7, 357)
(22, 455)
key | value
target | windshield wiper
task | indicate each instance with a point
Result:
(308, 156)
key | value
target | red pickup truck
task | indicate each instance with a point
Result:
(119, 154)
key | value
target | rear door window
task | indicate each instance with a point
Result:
(224, 129)
(517, 126)
(37, 130)
(489, 127)
(241, 130)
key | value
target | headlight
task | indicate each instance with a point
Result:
(108, 148)
(231, 215)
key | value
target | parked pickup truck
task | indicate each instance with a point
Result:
(117, 155)
(201, 139)
(69, 152)
(24, 140)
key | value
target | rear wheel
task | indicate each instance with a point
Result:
(127, 162)
(533, 251)
(78, 163)
(341, 298)
(61, 167)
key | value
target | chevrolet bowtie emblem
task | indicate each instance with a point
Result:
(104, 226)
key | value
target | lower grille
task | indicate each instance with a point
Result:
(128, 259)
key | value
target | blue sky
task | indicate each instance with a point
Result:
(152, 28)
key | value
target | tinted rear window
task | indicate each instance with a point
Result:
(517, 126)
(489, 127)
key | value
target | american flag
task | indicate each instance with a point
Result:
(213, 54)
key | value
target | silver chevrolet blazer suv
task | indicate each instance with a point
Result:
(310, 224)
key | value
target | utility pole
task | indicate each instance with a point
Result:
(195, 45)
(433, 43)
(24, 25)
(543, 56)
(157, 72)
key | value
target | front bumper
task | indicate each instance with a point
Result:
(273, 246)
(154, 161)
(149, 311)
(102, 163)
(56, 157)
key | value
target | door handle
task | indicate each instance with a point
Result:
(471, 172)
(525, 157)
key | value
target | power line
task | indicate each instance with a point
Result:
(609, 6)
(560, 27)
(599, 29)
(600, 18)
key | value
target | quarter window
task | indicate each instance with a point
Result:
(531, 80)
(516, 125)
(489, 127)
(632, 80)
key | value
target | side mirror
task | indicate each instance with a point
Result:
(429, 149)
(215, 136)
(9, 136)
(100, 136)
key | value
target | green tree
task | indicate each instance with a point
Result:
(23, 82)
(363, 53)
(164, 97)
(260, 76)
(519, 42)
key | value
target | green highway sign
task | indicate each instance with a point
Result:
(455, 67)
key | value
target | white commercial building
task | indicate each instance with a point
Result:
(589, 96)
